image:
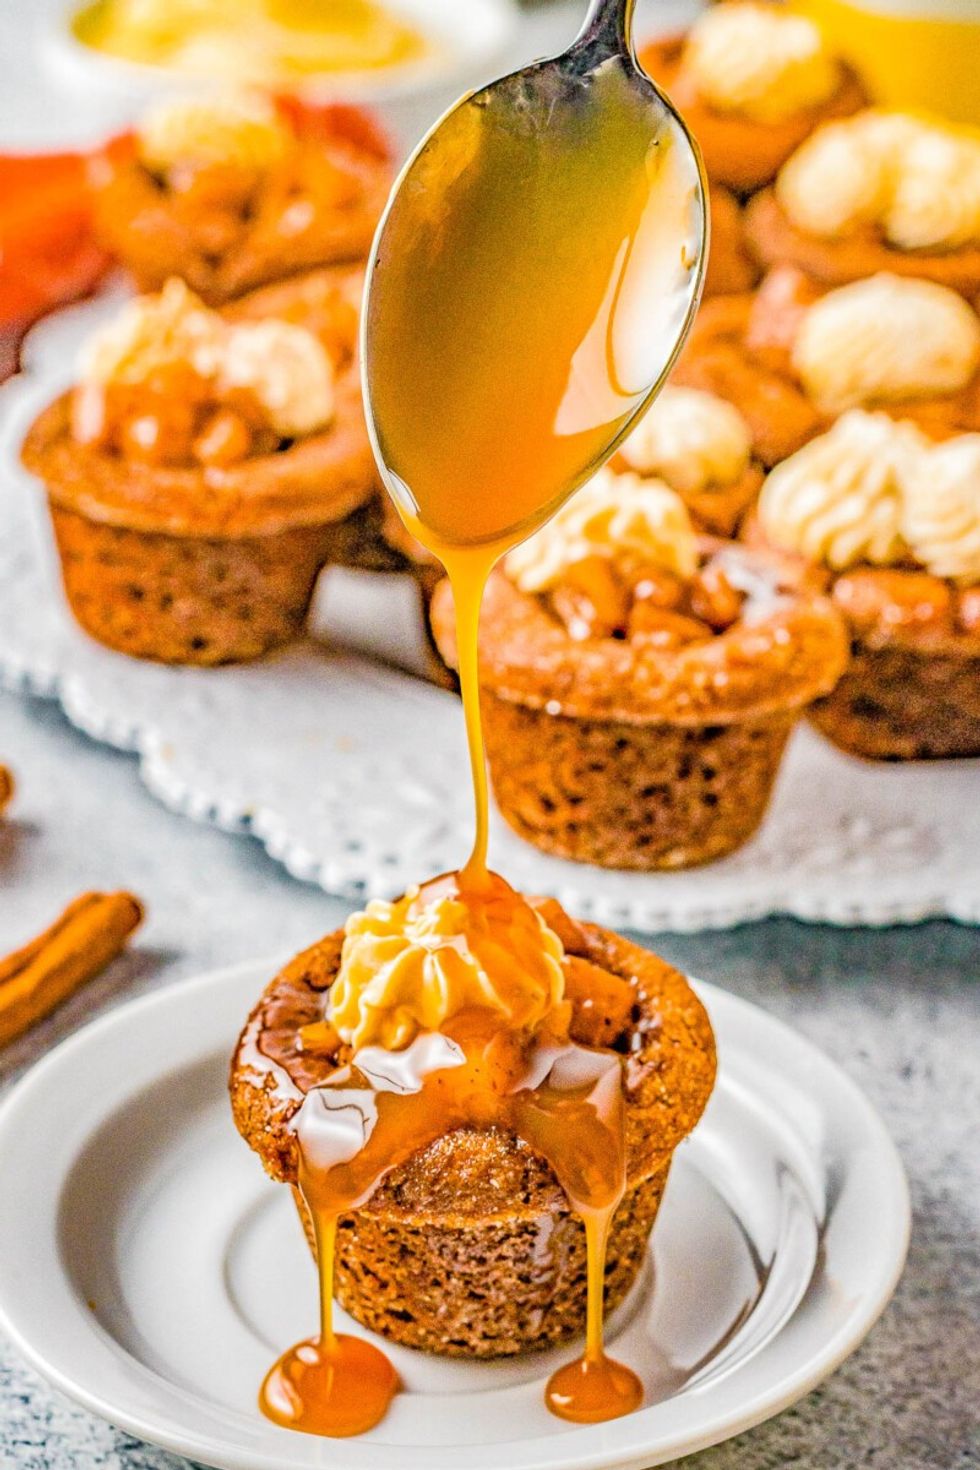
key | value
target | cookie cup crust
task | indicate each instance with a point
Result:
(316, 481)
(775, 240)
(901, 703)
(772, 662)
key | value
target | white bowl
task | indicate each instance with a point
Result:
(470, 40)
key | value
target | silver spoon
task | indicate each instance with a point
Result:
(531, 283)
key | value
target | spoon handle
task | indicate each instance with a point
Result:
(608, 29)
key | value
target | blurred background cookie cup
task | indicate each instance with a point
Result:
(195, 474)
(753, 81)
(891, 520)
(239, 189)
(910, 53)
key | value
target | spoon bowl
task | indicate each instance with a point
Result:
(531, 283)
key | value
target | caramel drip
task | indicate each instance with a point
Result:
(594, 1387)
(468, 569)
(334, 1384)
(564, 1100)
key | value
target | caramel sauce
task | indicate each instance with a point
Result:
(564, 1100)
(507, 350)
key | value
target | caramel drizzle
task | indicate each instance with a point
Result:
(570, 343)
(469, 570)
(564, 1100)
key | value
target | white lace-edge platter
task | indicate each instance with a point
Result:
(151, 1271)
(353, 774)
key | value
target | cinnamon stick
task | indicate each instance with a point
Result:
(78, 945)
(6, 786)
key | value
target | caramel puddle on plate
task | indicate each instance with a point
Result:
(507, 350)
(333, 1384)
(594, 1387)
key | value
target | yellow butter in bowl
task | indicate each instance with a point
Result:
(258, 41)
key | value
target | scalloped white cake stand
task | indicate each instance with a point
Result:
(353, 774)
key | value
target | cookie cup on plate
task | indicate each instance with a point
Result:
(471, 1248)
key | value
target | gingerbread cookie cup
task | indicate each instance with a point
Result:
(198, 564)
(471, 1249)
(739, 151)
(912, 690)
(657, 745)
(881, 191)
(296, 189)
(890, 520)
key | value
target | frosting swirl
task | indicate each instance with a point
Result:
(759, 61)
(237, 128)
(936, 195)
(692, 439)
(941, 519)
(286, 369)
(152, 332)
(624, 518)
(885, 340)
(413, 965)
(283, 367)
(915, 178)
(839, 499)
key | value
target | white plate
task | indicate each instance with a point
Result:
(354, 776)
(150, 1271)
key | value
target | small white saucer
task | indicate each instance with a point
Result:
(150, 1271)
